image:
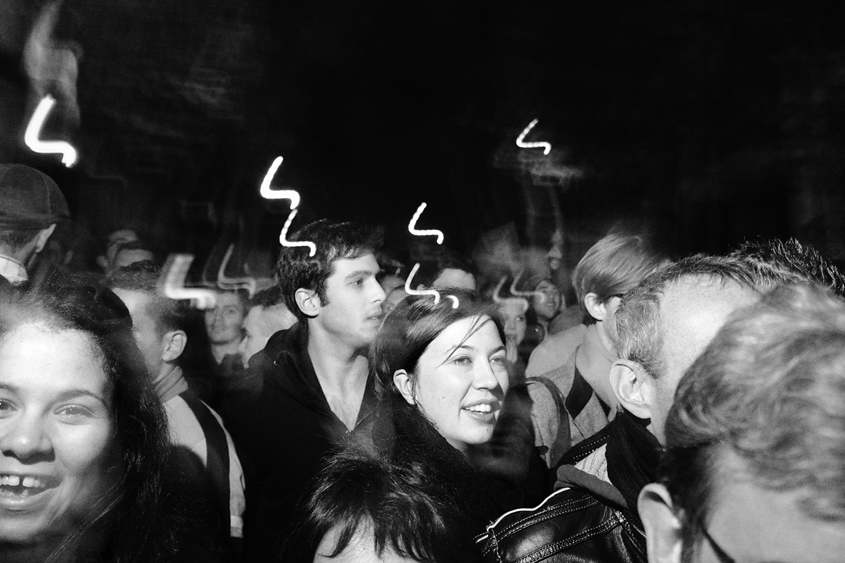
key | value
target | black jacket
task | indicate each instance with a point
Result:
(586, 521)
(283, 430)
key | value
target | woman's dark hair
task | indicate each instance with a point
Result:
(399, 505)
(414, 324)
(130, 506)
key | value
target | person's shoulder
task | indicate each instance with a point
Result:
(554, 350)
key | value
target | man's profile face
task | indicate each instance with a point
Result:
(758, 525)
(354, 298)
(692, 312)
(143, 327)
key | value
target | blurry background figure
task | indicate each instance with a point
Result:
(393, 298)
(224, 324)
(365, 509)
(114, 241)
(522, 330)
(546, 303)
(393, 272)
(130, 253)
(159, 327)
(31, 204)
(448, 269)
(267, 315)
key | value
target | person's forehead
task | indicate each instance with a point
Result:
(226, 298)
(343, 267)
(692, 312)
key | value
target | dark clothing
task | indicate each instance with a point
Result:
(284, 429)
(587, 519)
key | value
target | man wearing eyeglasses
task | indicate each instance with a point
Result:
(755, 461)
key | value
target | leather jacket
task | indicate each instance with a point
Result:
(586, 521)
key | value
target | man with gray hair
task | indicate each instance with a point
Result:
(755, 461)
(31, 204)
(662, 326)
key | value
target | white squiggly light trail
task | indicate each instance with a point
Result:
(433, 232)
(518, 293)
(225, 282)
(172, 282)
(33, 130)
(412, 226)
(293, 196)
(520, 142)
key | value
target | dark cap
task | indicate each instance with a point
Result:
(29, 199)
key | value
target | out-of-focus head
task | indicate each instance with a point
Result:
(224, 322)
(267, 315)
(31, 204)
(393, 298)
(114, 241)
(775, 262)
(755, 463)
(665, 322)
(447, 363)
(295, 270)
(159, 323)
(129, 253)
(449, 269)
(610, 268)
(82, 433)
(365, 509)
(547, 300)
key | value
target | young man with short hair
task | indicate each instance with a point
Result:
(309, 391)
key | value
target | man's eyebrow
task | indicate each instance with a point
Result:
(361, 273)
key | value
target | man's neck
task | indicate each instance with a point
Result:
(342, 373)
(219, 351)
(170, 381)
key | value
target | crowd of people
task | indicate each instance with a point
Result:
(688, 410)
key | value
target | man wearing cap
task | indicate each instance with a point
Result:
(30, 206)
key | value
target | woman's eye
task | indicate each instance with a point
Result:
(499, 360)
(74, 412)
(5, 407)
(462, 361)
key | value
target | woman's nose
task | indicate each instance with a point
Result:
(485, 377)
(24, 437)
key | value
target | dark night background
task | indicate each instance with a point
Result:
(705, 122)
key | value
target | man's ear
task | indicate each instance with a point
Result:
(308, 301)
(594, 306)
(43, 237)
(632, 387)
(403, 383)
(172, 345)
(664, 540)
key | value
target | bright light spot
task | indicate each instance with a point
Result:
(285, 242)
(268, 193)
(523, 145)
(33, 130)
(293, 196)
(172, 282)
(411, 291)
(412, 226)
(226, 282)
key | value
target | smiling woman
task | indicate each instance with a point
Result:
(83, 439)
(444, 376)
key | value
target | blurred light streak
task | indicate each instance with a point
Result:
(433, 232)
(226, 282)
(172, 282)
(518, 293)
(293, 196)
(547, 148)
(499, 300)
(411, 291)
(412, 226)
(33, 130)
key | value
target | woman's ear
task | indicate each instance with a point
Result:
(403, 383)
(594, 306)
(662, 527)
(632, 390)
